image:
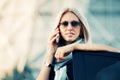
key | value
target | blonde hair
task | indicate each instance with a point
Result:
(85, 35)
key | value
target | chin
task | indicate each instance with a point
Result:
(70, 40)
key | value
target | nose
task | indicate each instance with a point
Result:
(69, 27)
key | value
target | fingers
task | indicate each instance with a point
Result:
(59, 55)
(55, 35)
(59, 58)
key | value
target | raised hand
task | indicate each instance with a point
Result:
(52, 44)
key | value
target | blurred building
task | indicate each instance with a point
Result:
(104, 21)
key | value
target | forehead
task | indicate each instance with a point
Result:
(69, 16)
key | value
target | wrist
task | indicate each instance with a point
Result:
(51, 51)
(49, 58)
(48, 64)
(78, 46)
(74, 46)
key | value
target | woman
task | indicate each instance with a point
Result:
(70, 34)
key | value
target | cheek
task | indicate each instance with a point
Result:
(78, 32)
(61, 31)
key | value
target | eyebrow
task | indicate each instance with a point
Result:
(70, 21)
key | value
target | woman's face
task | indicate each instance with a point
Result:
(69, 27)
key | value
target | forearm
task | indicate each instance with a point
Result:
(45, 71)
(94, 47)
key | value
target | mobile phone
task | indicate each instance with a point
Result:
(57, 40)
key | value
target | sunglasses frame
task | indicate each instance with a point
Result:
(73, 23)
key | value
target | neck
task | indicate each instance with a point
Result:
(69, 42)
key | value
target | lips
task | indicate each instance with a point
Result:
(70, 34)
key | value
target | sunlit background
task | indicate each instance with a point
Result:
(26, 24)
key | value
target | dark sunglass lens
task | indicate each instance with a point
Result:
(65, 23)
(74, 23)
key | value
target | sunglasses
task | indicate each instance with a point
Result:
(73, 23)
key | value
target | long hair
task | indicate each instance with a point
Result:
(84, 33)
